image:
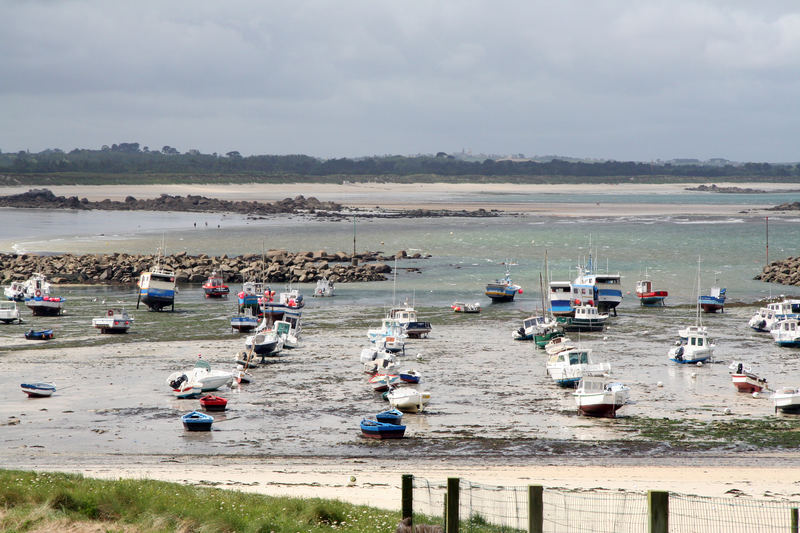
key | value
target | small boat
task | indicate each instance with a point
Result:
(210, 402)
(745, 380)
(390, 335)
(567, 367)
(503, 289)
(649, 297)
(245, 320)
(408, 400)
(586, 318)
(597, 397)
(713, 301)
(41, 335)
(558, 344)
(786, 332)
(286, 331)
(9, 312)
(382, 382)
(696, 348)
(214, 287)
(264, 343)
(381, 430)
(324, 288)
(407, 317)
(766, 317)
(392, 416)
(157, 286)
(38, 298)
(273, 306)
(199, 379)
(15, 291)
(409, 376)
(543, 339)
(377, 359)
(39, 389)
(197, 421)
(532, 326)
(115, 321)
(787, 400)
(461, 307)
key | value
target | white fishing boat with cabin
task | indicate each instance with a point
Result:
(9, 312)
(115, 321)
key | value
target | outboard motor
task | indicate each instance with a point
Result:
(176, 383)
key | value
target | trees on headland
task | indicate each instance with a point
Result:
(130, 158)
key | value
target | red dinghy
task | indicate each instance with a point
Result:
(214, 287)
(213, 403)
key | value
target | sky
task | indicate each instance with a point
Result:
(625, 80)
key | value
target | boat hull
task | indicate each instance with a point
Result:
(748, 383)
(574, 324)
(156, 300)
(599, 407)
(195, 421)
(244, 323)
(41, 307)
(381, 430)
(38, 390)
(43, 335)
(213, 403)
(216, 292)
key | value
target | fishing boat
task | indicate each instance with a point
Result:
(41, 335)
(381, 430)
(560, 298)
(567, 367)
(390, 335)
(534, 325)
(9, 312)
(503, 289)
(201, 378)
(244, 321)
(461, 307)
(210, 402)
(38, 298)
(324, 288)
(115, 321)
(157, 286)
(408, 400)
(273, 306)
(648, 296)
(391, 416)
(197, 421)
(287, 333)
(38, 389)
(766, 317)
(587, 318)
(406, 315)
(264, 342)
(15, 291)
(248, 298)
(713, 301)
(786, 333)
(603, 290)
(214, 287)
(598, 397)
(745, 380)
(694, 345)
(787, 400)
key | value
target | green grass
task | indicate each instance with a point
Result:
(31, 501)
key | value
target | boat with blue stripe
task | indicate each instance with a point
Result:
(503, 289)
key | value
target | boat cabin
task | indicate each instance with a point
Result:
(571, 357)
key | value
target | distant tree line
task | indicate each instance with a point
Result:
(130, 158)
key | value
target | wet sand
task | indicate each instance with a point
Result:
(429, 195)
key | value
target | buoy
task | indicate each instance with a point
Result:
(659, 384)
(756, 394)
(694, 375)
(699, 363)
(605, 338)
(727, 411)
(419, 357)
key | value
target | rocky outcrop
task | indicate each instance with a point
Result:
(784, 271)
(729, 190)
(44, 198)
(276, 266)
(791, 206)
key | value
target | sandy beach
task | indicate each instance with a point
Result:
(432, 195)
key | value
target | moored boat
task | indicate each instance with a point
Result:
(382, 382)
(648, 296)
(766, 317)
(713, 301)
(406, 315)
(533, 325)
(324, 288)
(695, 348)
(786, 332)
(197, 421)
(567, 367)
(598, 397)
(264, 342)
(391, 416)
(408, 400)
(9, 312)
(115, 321)
(157, 287)
(461, 307)
(787, 400)
(745, 380)
(201, 378)
(503, 289)
(211, 402)
(558, 344)
(38, 389)
(41, 335)
(214, 287)
(560, 298)
(38, 298)
(586, 318)
(245, 320)
(603, 290)
(381, 430)
(15, 291)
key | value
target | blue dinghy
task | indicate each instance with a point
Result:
(392, 416)
(381, 430)
(196, 421)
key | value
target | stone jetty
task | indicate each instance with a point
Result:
(275, 266)
(784, 271)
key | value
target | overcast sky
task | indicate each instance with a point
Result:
(627, 80)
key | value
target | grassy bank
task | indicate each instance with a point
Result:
(32, 501)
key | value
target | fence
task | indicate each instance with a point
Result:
(461, 506)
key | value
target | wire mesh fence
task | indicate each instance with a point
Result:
(488, 508)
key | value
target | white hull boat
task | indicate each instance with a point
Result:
(199, 379)
(787, 400)
(597, 397)
(408, 400)
(9, 312)
(115, 321)
(786, 333)
(569, 366)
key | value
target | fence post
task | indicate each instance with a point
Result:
(795, 521)
(452, 505)
(535, 511)
(408, 498)
(658, 507)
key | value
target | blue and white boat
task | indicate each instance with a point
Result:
(503, 289)
(567, 367)
(695, 348)
(392, 416)
(197, 421)
(601, 290)
(244, 321)
(713, 301)
(39, 389)
(766, 317)
(786, 333)
(381, 430)
(561, 298)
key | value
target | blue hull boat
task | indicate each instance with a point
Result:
(42, 335)
(392, 416)
(196, 421)
(381, 430)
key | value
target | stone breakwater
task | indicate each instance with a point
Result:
(784, 271)
(275, 266)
